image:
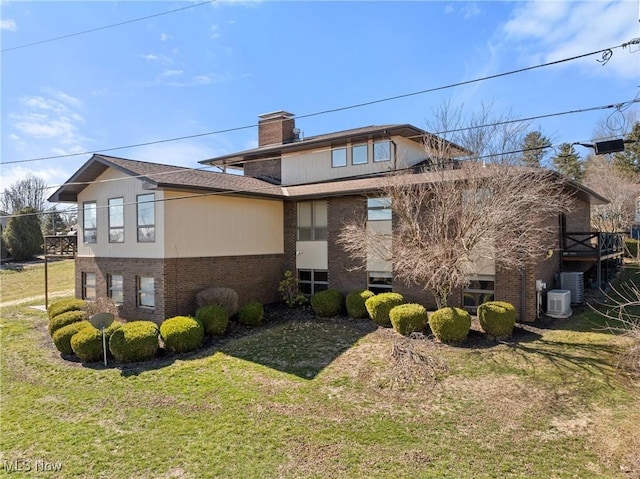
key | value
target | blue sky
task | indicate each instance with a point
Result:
(218, 66)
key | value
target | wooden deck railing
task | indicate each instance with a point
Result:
(61, 245)
(593, 244)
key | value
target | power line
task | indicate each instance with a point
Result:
(324, 112)
(126, 22)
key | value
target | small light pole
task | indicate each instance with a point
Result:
(102, 321)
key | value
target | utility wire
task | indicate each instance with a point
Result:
(126, 22)
(325, 112)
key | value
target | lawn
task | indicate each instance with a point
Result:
(308, 398)
(27, 280)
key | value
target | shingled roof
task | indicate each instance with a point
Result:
(156, 175)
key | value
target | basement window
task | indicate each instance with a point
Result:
(146, 292)
(380, 282)
(115, 288)
(89, 286)
(479, 290)
(312, 281)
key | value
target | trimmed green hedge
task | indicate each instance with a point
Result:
(64, 319)
(497, 318)
(450, 325)
(380, 305)
(135, 341)
(355, 303)
(62, 337)
(408, 318)
(251, 314)
(631, 248)
(87, 343)
(214, 319)
(182, 334)
(328, 303)
(65, 305)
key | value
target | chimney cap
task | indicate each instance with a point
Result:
(276, 114)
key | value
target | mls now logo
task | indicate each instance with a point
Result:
(28, 465)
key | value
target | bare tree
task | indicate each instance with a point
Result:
(28, 192)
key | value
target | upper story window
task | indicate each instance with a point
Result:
(312, 220)
(382, 150)
(359, 154)
(146, 218)
(338, 157)
(90, 222)
(116, 220)
(379, 209)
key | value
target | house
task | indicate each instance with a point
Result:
(151, 236)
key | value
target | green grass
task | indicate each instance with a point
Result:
(29, 280)
(326, 398)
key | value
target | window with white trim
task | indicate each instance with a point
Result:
(116, 220)
(146, 214)
(339, 157)
(90, 222)
(312, 220)
(145, 291)
(312, 281)
(360, 154)
(115, 289)
(89, 286)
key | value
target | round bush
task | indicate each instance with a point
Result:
(62, 337)
(214, 319)
(380, 305)
(87, 343)
(182, 334)
(497, 318)
(450, 325)
(64, 319)
(65, 305)
(328, 303)
(251, 314)
(134, 341)
(355, 303)
(408, 318)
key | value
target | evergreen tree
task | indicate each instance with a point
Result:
(23, 235)
(53, 223)
(568, 162)
(534, 148)
(628, 161)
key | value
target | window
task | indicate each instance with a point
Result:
(116, 220)
(382, 150)
(146, 292)
(312, 281)
(338, 157)
(359, 154)
(312, 220)
(146, 218)
(115, 288)
(89, 286)
(379, 209)
(478, 291)
(380, 282)
(90, 223)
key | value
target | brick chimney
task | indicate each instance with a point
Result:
(276, 128)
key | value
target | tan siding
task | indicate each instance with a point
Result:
(311, 255)
(220, 225)
(375, 263)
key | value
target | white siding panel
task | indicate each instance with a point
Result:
(218, 225)
(114, 184)
(312, 255)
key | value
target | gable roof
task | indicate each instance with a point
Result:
(156, 175)
(371, 132)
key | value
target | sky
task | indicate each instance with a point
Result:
(218, 66)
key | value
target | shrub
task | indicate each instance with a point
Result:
(288, 288)
(101, 305)
(182, 334)
(497, 318)
(251, 314)
(631, 248)
(134, 341)
(214, 319)
(62, 337)
(328, 303)
(355, 303)
(225, 297)
(450, 325)
(65, 305)
(380, 305)
(62, 320)
(23, 236)
(87, 343)
(408, 318)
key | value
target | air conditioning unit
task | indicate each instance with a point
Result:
(559, 303)
(574, 282)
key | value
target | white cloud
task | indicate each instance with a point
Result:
(466, 11)
(150, 57)
(548, 31)
(164, 37)
(214, 31)
(8, 24)
(171, 73)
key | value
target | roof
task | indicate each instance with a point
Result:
(371, 132)
(156, 175)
